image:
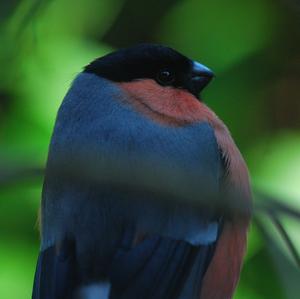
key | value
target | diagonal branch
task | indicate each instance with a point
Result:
(285, 236)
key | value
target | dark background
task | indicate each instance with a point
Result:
(253, 46)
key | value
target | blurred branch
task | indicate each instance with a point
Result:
(7, 7)
(159, 182)
(288, 273)
(21, 13)
(12, 176)
(35, 7)
(140, 176)
(286, 238)
(268, 204)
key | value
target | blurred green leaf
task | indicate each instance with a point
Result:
(275, 165)
(17, 260)
(221, 33)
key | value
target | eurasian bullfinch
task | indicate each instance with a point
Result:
(99, 242)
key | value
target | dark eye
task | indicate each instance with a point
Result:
(165, 77)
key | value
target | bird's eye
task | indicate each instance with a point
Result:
(165, 77)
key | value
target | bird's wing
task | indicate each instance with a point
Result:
(55, 276)
(159, 267)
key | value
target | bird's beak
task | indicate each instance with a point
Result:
(201, 76)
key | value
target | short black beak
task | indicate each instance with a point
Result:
(201, 76)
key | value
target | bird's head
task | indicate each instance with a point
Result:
(162, 83)
(165, 66)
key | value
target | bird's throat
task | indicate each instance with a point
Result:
(166, 105)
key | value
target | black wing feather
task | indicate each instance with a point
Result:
(159, 268)
(55, 276)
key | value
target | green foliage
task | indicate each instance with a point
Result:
(237, 28)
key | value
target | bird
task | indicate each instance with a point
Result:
(141, 104)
